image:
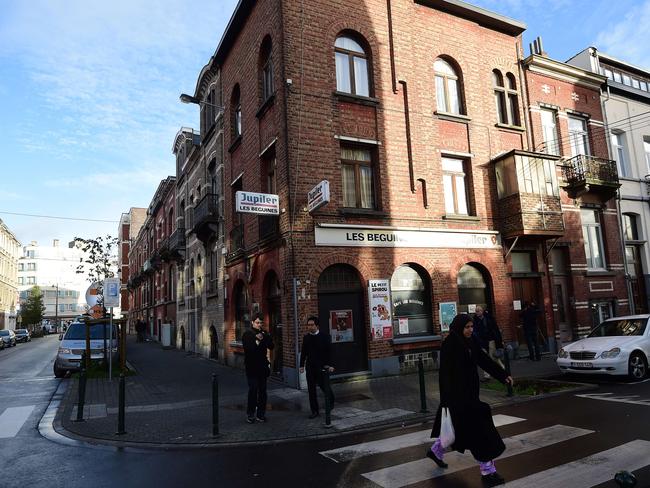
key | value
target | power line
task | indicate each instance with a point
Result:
(58, 218)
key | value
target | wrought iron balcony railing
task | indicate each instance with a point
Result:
(584, 169)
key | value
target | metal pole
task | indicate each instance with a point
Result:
(423, 393)
(110, 348)
(215, 405)
(296, 330)
(82, 391)
(56, 309)
(506, 360)
(328, 397)
(121, 408)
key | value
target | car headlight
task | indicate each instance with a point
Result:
(563, 354)
(612, 353)
(64, 350)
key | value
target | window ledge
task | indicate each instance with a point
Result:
(268, 103)
(360, 99)
(600, 272)
(235, 144)
(415, 339)
(514, 128)
(362, 211)
(471, 218)
(532, 274)
(463, 119)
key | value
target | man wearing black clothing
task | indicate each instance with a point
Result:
(316, 353)
(529, 320)
(256, 342)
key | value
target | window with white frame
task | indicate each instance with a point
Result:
(447, 88)
(357, 177)
(620, 154)
(454, 182)
(593, 238)
(578, 136)
(352, 67)
(549, 132)
(506, 98)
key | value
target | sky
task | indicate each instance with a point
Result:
(89, 94)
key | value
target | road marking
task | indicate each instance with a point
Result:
(347, 453)
(592, 470)
(424, 469)
(12, 420)
(620, 399)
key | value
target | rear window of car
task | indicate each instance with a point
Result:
(21, 331)
(623, 327)
(4, 332)
(77, 331)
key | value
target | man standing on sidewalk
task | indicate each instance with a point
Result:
(316, 353)
(256, 342)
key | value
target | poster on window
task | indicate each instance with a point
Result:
(341, 324)
(448, 311)
(403, 325)
(381, 321)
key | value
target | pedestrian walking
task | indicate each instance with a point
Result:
(529, 321)
(257, 342)
(459, 392)
(315, 353)
(488, 335)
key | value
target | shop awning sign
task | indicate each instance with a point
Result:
(318, 196)
(257, 203)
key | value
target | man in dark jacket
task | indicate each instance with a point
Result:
(316, 353)
(257, 342)
(529, 321)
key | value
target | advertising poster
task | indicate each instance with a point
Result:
(381, 321)
(403, 325)
(448, 311)
(341, 329)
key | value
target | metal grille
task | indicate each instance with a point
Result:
(582, 355)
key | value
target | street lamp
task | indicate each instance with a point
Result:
(185, 98)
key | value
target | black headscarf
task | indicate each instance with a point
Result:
(458, 324)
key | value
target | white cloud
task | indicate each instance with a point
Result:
(629, 38)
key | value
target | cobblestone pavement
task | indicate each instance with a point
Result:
(168, 401)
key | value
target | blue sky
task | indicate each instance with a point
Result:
(89, 94)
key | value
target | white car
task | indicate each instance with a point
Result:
(618, 346)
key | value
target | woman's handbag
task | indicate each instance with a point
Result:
(447, 435)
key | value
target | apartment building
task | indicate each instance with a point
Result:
(10, 252)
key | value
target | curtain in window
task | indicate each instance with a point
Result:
(440, 94)
(361, 77)
(365, 185)
(349, 193)
(343, 80)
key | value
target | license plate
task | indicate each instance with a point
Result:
(581, 365)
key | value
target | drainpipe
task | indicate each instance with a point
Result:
(407, 123)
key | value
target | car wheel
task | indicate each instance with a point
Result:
(637, 366)
(58, 372)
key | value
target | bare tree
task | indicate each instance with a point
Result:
(100, 256)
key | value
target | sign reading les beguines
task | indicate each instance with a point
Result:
(257, 203)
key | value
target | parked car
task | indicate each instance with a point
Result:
(8, 337)
(23, 335)
(49, 328)
(618, 346)
(2, 345)
(73, 345)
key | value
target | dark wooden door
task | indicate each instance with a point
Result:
(528, 290)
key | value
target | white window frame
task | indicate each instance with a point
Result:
(619, 151)
(581, 136)
(549, 131)
(590, 245)
(450, 181)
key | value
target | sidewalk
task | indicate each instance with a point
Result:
(169, 402)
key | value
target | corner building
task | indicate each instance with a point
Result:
(393, 105)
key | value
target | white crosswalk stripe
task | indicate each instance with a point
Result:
(348, 453)
(592, 470)
(423, 469)
(631, 399)
(12, 420)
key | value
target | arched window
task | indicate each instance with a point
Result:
(473, 289)
(500, 96)
(235, 103)
(266, 69)
(411, 301)
(447, 87)
(352, 67)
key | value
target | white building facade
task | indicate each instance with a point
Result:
(10, 251)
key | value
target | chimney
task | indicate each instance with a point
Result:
(536, 47)
(55, 243)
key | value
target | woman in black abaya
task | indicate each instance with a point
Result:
(459, 391)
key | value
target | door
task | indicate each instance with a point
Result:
(275, 329)
(527, 290)
(637, 283)
(340, 312)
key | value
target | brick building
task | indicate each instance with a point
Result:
(129, 226)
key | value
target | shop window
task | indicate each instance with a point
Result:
(411, 301)
(473, 289)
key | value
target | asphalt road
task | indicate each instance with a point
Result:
(557, 442)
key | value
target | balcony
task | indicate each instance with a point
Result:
(529, 199)
(163, 249)
(176, 244)
(590, 178)
(206, 217)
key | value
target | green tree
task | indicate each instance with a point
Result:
(33, 309)
(99, 261)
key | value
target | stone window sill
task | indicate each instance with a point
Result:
(416, 339)
(463, 119)
(470, 218)
(360, 99)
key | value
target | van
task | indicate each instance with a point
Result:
(73, 345)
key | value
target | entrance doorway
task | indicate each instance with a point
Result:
(635, 269)
(561, 293)
(182, 334)
(274, 311)
(527, 290)
(340, 311)
(214, 343)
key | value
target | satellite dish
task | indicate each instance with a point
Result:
(93, 293)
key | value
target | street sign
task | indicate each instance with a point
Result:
(111, 292)
(257, 203)
(318, 196)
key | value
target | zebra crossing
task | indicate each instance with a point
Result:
(582, 473)
(13, 419)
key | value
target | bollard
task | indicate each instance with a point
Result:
(120, 411)
(625, 479)
(328, 397)
(506, 361)
(82, 391)
(423, 393)
(215, 405)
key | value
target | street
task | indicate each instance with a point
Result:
(577, 440)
